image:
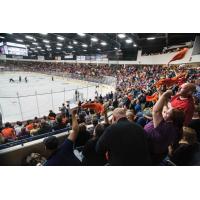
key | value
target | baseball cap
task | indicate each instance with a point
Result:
(147, 113)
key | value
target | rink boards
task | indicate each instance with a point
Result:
(23, 101)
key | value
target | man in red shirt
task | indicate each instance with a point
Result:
(184, 101)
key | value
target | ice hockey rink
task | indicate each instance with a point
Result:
(23, 101)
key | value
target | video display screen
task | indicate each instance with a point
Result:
(14, 49)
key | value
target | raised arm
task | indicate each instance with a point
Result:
(106, 115)
(158, 107)
(75, 128)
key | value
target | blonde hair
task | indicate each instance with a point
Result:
(119, 113)
(189, 135)
(130, 115)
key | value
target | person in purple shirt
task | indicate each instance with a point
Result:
(165, 129)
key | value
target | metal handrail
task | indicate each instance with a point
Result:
(32, 138)
(36, 137)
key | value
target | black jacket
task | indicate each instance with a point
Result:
(125, 143)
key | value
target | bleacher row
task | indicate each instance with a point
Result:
(14, 152)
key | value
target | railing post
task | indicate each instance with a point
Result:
(3, 118)
(64, 94)
(87, 91)
(20, 107)
(37, 103)
(52, 99)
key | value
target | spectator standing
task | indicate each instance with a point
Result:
(124, 142)
(63, 109)
(18, 127)
(184, 101)
(115, 103)
(164, 130)
(183, 154)
(195, 123)
(90, 156)
(83, 136)
(62, 155)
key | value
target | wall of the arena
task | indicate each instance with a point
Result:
(141, 59)
(15, 156)
(163, 58)
(195, 58)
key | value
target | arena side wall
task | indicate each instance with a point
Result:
(15, 156)
(141, 59)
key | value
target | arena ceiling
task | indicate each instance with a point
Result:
(115, 45)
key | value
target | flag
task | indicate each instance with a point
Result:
(99, 108)
(179, 55)
(171, 81)
(153, 97)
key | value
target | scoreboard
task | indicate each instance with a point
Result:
(10, 48)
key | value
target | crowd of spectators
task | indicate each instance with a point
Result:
(140, 132)
(20, 130)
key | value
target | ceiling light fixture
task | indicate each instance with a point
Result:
(70, 47)
(18, 40)
(135, 45)
(60, 38)
(94, 39)
(48, 46)
(121, 35)
(46, 41)
(151, 38)
(29, 37)
(75, 42)
(128, 41)
(84, 45)
(58, 48)
(103, 43)
(35, 43)
(81, 34)
(59, 44)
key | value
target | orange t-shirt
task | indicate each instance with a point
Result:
(29, 127)
(8, 133)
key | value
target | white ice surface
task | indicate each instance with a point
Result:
(40, 83)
